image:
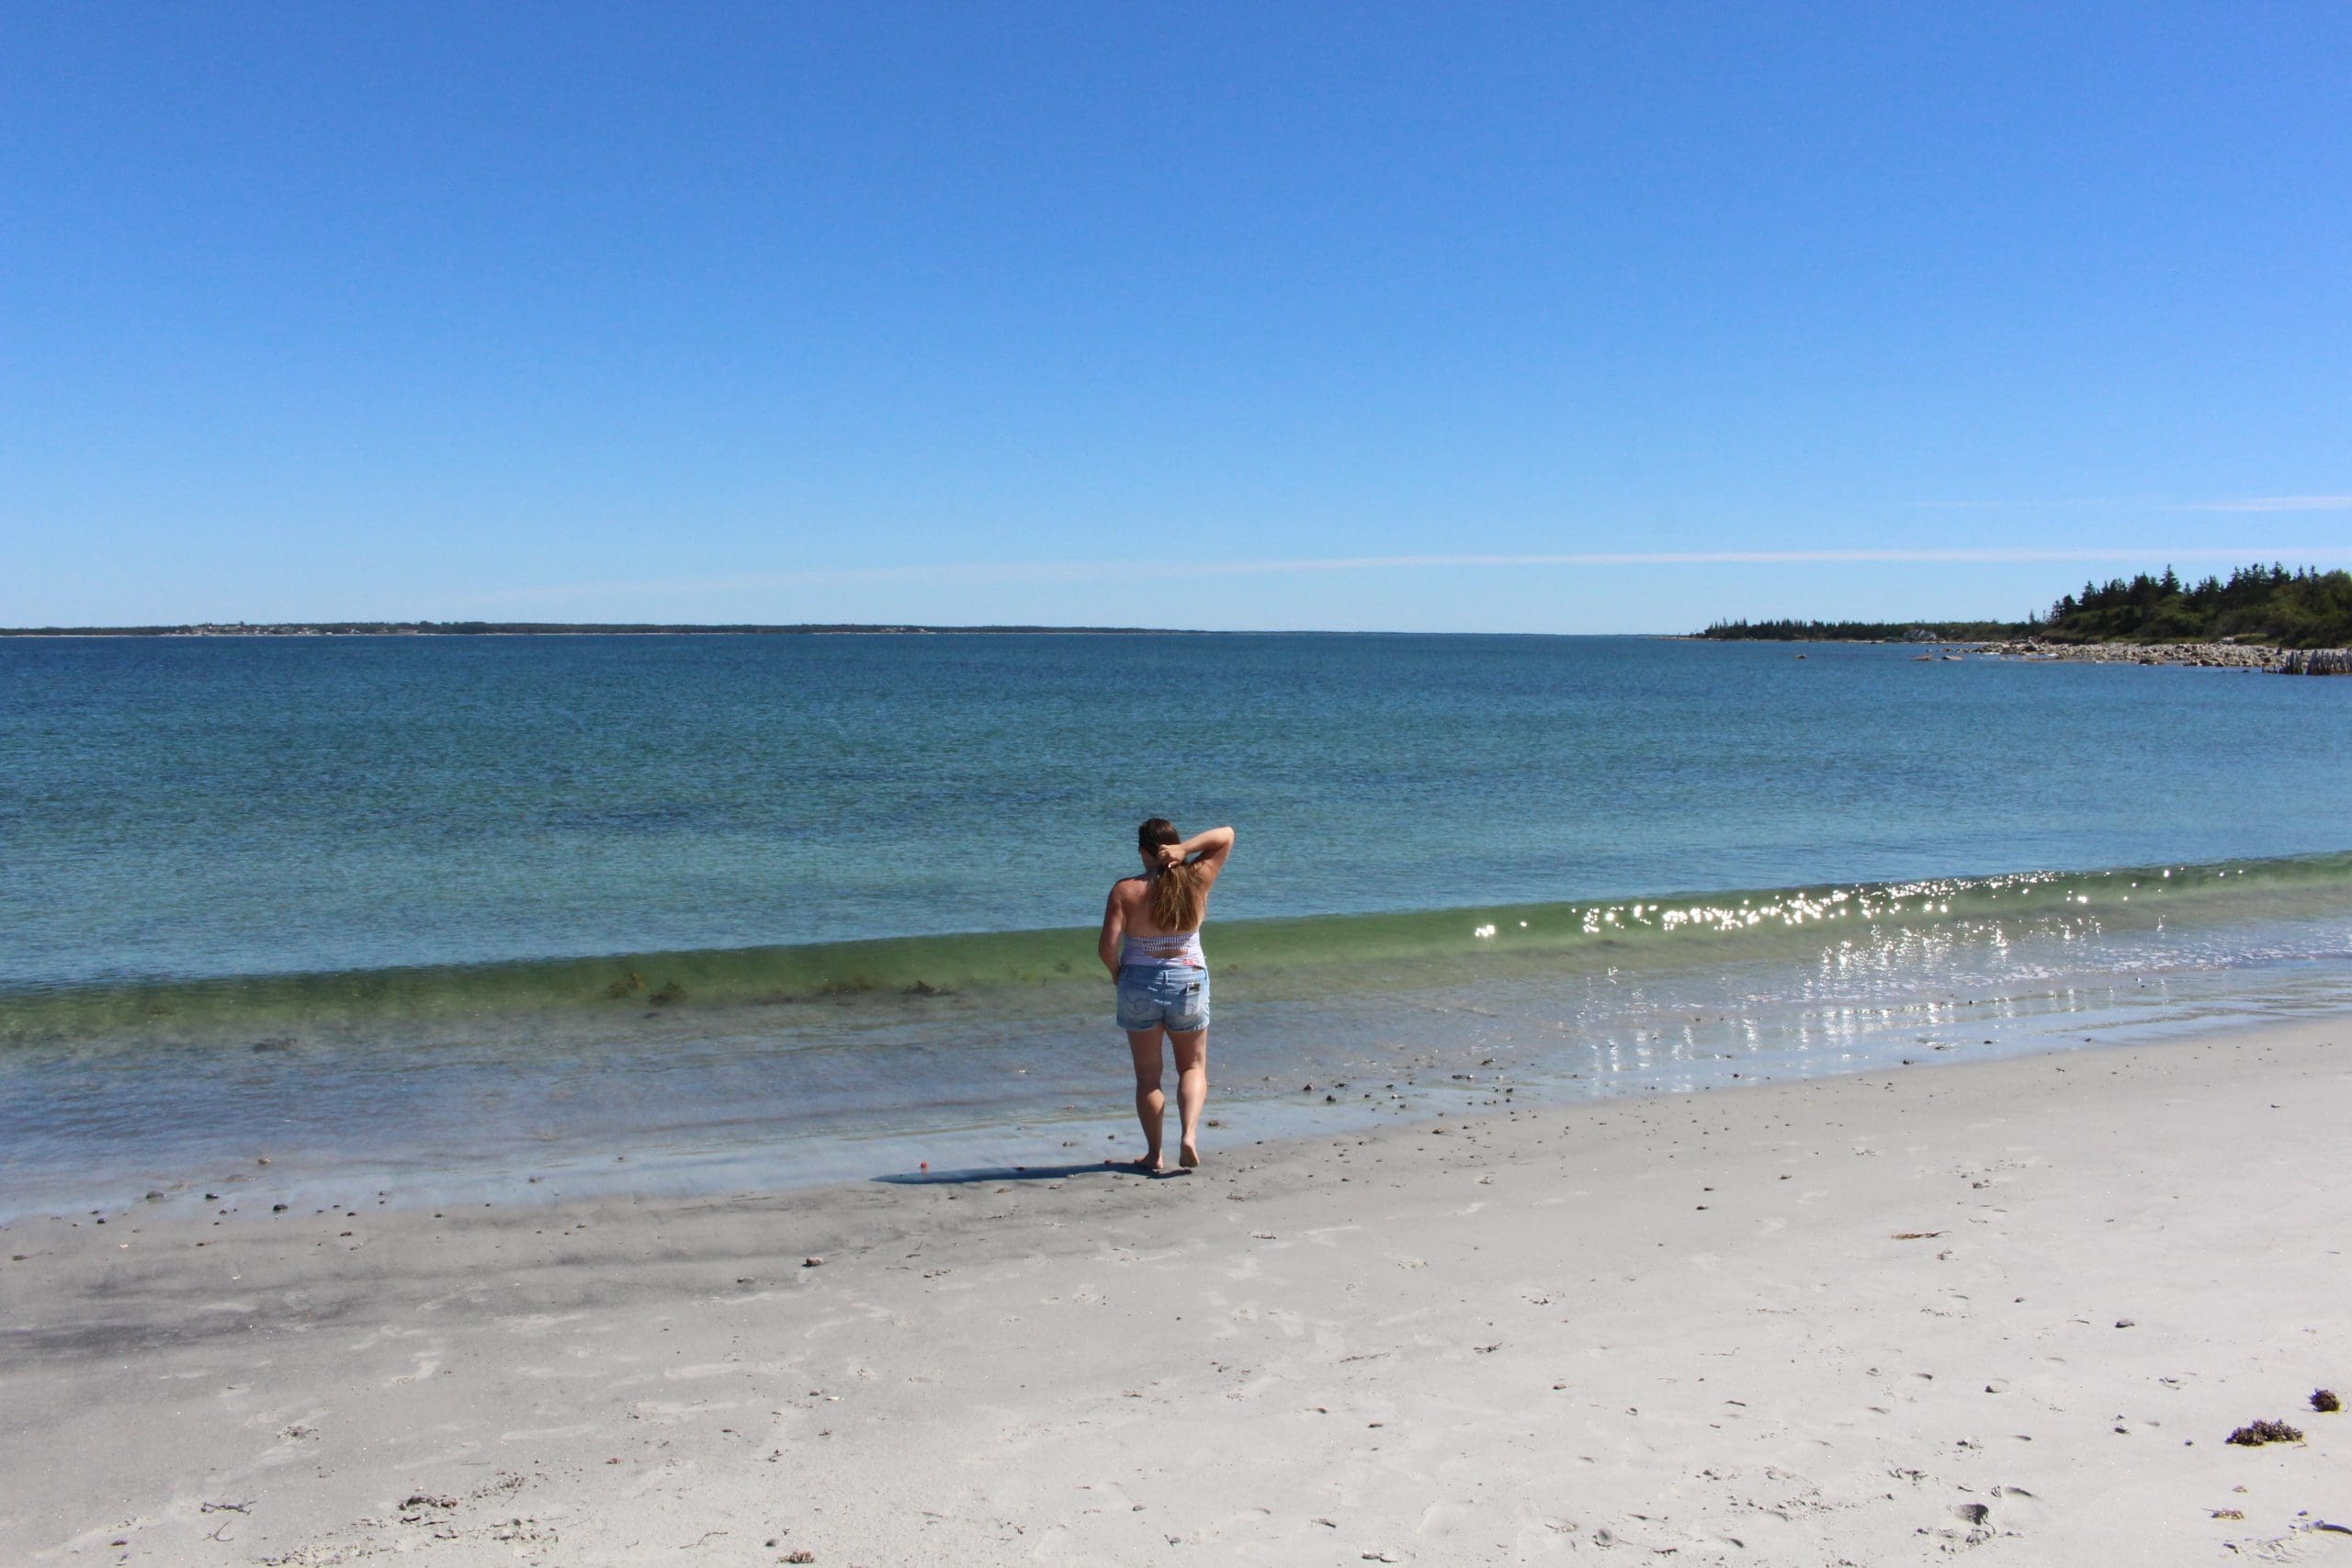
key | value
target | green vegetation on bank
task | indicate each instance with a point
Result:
(2306, 608)
(1868, 631)
(2267, 605)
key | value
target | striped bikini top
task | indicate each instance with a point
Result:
(1180, 950)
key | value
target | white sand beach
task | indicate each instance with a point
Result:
(2008, 1312)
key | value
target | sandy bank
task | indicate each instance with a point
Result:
(2009, 1309)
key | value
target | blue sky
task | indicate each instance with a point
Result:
(1545, 318)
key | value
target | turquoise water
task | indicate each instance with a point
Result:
(736, 910)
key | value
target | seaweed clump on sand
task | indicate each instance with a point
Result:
(2263, 1432)
(2323, 1400)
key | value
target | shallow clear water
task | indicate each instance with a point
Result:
(643, 911)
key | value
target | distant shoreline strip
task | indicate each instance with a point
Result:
(533, 629)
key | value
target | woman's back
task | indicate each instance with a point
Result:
(1135, 896)
(1156, 918)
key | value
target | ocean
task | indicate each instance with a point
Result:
(451, 916)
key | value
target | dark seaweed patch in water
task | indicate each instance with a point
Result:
(279, 1043)
(621, 989)
(671, 991)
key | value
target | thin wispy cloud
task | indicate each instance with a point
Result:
(2251, 503)
(1694, 558)
(2276, 503)
(2046, 503)
(1092, 570)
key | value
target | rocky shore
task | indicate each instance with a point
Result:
(2204, 655)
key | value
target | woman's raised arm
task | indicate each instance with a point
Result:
(1212, 847)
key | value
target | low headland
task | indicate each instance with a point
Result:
(2261, 617)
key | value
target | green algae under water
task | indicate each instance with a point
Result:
(1297, 959)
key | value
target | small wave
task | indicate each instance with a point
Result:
(1846, 926)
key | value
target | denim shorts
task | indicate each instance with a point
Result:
(1172, 996)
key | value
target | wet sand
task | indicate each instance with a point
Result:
(2008, 1310)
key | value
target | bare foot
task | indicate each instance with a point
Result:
(1188, 1158)
(1149, 1165)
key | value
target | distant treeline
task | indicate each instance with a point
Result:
(2269, 604)
(2306, 608)
(539, 628)
(1868, 631)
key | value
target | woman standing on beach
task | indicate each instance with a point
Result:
(1151, 945)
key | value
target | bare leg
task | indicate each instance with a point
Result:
(1151, 1106)
(1191, 1089)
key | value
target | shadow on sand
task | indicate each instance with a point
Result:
(971, 1175)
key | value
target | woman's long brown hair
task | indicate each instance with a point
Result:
(1178, 892)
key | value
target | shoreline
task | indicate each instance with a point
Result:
(2250, 657)
(2045, 1288)
(454, 1095)
(2196, 655)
